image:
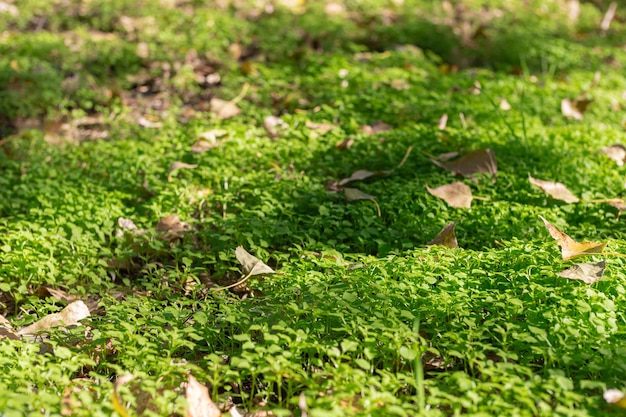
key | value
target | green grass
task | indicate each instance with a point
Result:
(361, 317)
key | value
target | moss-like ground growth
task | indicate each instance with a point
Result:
(98, 100)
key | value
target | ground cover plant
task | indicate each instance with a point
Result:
(312, 208)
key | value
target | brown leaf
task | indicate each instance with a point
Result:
(251, 265)
(574, 108)
(208, 140)
(588, 273)
(60, 295)
(321, 128)
(376, 127)
(6, 330)
(344, 144)
(223, 109)
(616, 152)
(273, 126)
(571, 249)
(175, 166)
(482, 161)
(446, 237)
(362, 174)
(456, 194)
(354, 194)
(555, 190)
(171, 224)
(443, 122)
(70, 315)
(149, 124)
(198, 400)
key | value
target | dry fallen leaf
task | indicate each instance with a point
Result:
(70, 315)
(345, 144)
(555, 190)
(446, 237)
(251, 265)
(376, 127)
(149, 124)
(354, 194)
(443, 122)
(199, 402)
(361, 175)
(175, 166)
(504, 105)
(482, 161)
(208, 140)
(223, 109)
(171, 225)
(456, 194)
(615, 396)
(321, 128)
(6, 330)
(571, 249)
(273, 126)
(616, 152)
(588, 273)
(575, 108)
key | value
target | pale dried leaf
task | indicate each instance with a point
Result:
(504, 105)
(223, 109)
(588, 273)
(354, 194)
(571, 249)
(376, 127)
(58, 294)
(70, 315)
(6, 330)
(575, 108)
(251, 265)
(334, 8)
(175, 166)
(149, 124)
(199, 403)
(203, 145)
(456, 194)
(321, 128)
(443, 122)
(362, 174)
(208, 140)
(345, 144)
(482, 161)
(615, 396)
(616, 152)
(274, 126)
(171, 224)
(555, 190)
(126, 224)
(446, 237)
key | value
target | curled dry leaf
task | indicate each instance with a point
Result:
(70, 315)
(482, 161)
(615, 396)
(376, 127)
(223, 109)
(555, 190)
(588, 273)
(171, 225)
(456, 194)
(6, 330)
(446, 237)
(251, 265)
(362, 174)
(354, 194)
(175, 166)
(345, 144)
(208, 140)
(616, 152)
(575, 108)
(321, 128)
(571, 249)
(149, 124)
(273, 126)
(199, 403)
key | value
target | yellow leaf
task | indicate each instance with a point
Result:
(571, 249)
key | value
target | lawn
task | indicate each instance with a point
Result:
(243, 197)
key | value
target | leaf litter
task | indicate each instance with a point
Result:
(571, 249)
(354, 194)
(616, 152)
(555, 190)
(481, 161)
(456, 194)
(588, 272)
(446, 237)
